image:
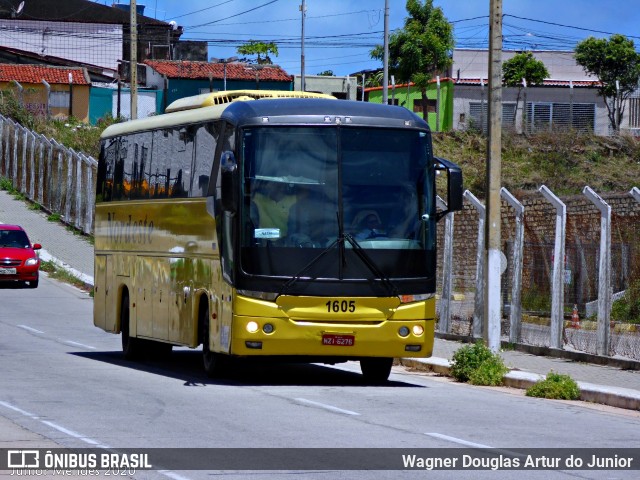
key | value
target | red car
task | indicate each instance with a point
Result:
(18, 259)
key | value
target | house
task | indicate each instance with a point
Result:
(183, 78)
(568, 98)
(344, 88)
(440, 98)
(83, 32)
(55, 91)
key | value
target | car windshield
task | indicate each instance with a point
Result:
(14, 239)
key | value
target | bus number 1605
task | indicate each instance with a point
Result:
(337, 306)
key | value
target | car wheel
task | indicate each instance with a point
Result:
(33, 283)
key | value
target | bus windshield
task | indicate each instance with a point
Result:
(305, 186)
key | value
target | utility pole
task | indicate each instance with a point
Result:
(133, 64)
(385, 56)
(492, 308)
(303, 86)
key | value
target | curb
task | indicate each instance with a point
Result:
(614, 397)
(47, 257)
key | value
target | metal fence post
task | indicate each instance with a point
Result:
(23, 180)
(557, 292)
(32, 162)
(478, 301)
(604, 272)
(68, 197)
(447, 267)
(515, 311)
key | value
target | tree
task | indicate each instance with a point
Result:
(523, 66)
(327, 73)
(422, 48)
(617, 65)
(254, 47)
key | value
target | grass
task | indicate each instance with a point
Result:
(64, 276)
(555, 386)
(478, 365)
(564, 162)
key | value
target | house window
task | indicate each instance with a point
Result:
(561, 116)
(59, 99)
(431, 105)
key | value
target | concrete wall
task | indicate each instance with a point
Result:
(465, 94)
(341, 87)
(93, 43)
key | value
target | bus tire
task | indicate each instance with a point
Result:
(212, 361)
(376, 370)
(132, 348)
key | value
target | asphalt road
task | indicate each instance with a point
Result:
(66, 380)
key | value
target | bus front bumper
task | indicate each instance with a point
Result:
(253, 336)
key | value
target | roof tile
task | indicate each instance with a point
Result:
(37, 73)
(202, 70)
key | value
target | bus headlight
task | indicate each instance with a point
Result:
(267, 328)
(403, 331)
(418, 330)
(252, 327)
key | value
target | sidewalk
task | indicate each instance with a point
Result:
(599, 383)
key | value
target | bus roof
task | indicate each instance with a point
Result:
(269, 110)
(228, 96)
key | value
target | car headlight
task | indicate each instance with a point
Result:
(31, 261)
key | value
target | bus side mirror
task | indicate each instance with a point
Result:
(454, 185)
(229, 182)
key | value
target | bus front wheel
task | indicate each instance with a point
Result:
(131, 346)
(376, 370)
(212, 362)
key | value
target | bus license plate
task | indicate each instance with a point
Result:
(338, 340)
(7, 271)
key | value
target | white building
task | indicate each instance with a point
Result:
(567, 99)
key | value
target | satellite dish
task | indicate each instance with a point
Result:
(20, 8)
(173, 23)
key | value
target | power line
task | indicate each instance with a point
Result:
(201, 10)
(235, 15)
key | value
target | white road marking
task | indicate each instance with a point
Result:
(325, 406)
(19, 410)
(73, 434)
(173, 475)
(457, 440)
(79, 436)
(70, 342)
(25, 327)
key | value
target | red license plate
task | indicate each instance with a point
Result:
(338, 340)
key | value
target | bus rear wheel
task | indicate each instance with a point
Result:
(212, 361)
(132, 347)
(376, 370)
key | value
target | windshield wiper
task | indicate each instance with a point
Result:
(360, 252)
(366, 259)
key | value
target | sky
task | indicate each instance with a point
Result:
(339, 34)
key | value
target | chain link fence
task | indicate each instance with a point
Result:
(580, 275)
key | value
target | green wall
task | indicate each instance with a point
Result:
(407, 96)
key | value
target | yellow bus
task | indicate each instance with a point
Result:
(256, 225)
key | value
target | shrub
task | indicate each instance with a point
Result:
(627, 309)
(468, 359)
(555, 386)
(490, 372)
